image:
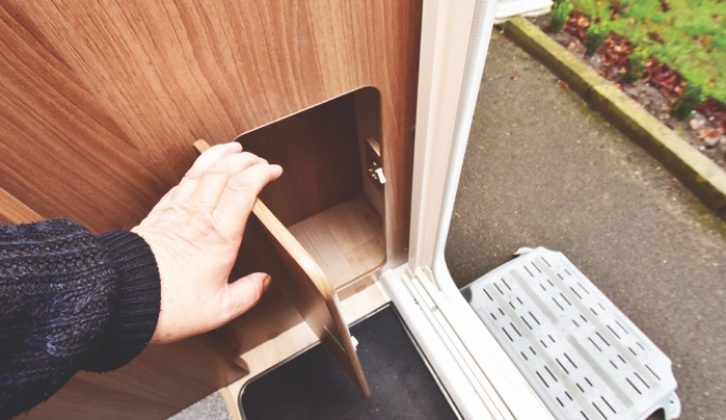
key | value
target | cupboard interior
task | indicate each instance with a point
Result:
(326, 198)
(322, 196)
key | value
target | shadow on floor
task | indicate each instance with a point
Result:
(312, 386)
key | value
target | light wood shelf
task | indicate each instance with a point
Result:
(346, 240)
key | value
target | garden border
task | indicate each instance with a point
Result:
(696, 171)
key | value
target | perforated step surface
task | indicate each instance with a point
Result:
(582, 355)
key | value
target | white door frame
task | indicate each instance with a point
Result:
(476, 373)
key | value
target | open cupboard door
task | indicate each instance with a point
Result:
(309, 289)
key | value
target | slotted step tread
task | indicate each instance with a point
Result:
(581, 354)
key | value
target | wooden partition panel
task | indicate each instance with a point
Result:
(99, 100)
(309, 290)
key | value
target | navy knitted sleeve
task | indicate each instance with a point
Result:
(70, 300)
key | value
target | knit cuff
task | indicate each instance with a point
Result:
(137, 301)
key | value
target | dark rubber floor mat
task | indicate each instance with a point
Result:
(311, 386)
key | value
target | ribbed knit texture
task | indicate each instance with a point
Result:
(69, 300)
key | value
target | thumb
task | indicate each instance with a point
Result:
(245, 292)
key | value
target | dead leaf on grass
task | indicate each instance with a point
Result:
(663, 78)
(714, 112)
(614, 54)
(577, 25)
(709, 133)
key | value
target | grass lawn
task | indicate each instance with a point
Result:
(687, 35)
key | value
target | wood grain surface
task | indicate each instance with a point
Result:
(368, 298)
(99, 100)
(309, 289)
(158, 383)
(13, 210)
(346, 240)
(322, 196)
(318, 150)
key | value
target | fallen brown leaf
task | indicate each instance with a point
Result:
(709, 133)
(663, 78)
(714, 112)
(577, 26)
(614, 54)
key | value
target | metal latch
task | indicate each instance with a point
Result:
(375, 171)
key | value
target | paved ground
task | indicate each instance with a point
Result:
(210, 408)
(542, 169)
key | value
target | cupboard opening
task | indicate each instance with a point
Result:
(330, 195)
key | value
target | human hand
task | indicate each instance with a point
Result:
(195, 232)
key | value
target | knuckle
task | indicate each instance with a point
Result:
(242, 182)
(190, 222)
(220, 166)
(241, 187)
(244, 160)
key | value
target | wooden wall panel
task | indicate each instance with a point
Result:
(162, 380)
(99, 100)
(13, 210)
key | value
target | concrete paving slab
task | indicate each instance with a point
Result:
(543, 169)
(210, 408)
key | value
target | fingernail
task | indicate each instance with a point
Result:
(266, 282)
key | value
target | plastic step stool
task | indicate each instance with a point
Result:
(582, 355)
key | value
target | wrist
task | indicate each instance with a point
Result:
(136, 301)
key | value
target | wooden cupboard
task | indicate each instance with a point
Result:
(367, 104)
(100, 103)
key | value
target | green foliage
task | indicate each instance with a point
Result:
(635, 67)
(560, 12)
(719, 41)
(690, 36)
(687, 102)
(596, 35)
